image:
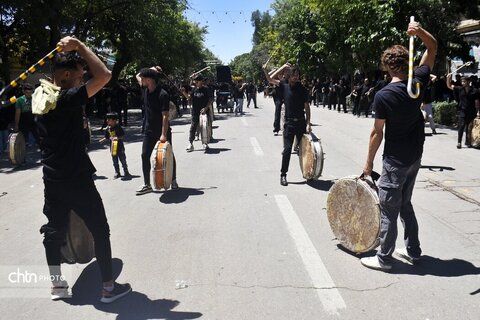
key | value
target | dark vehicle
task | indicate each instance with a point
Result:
(224, 93)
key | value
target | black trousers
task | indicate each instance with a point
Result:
(194, 127)
(82, 196)
(463, 123)
(278, 114)
(149, 143)
(250, 97)
(26, 125)
(290, 131)
(343, 103)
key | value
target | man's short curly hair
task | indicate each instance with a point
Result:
(395, 59)
(67, 60)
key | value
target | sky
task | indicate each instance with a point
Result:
(228, 24)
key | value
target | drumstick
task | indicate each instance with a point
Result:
(24, 75)
(199, 71)
(412, 94)
(469, 63)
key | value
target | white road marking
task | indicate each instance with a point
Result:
(330, 297)
(256, 146)
(244, 121)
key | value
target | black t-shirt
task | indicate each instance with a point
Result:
(64, 157)
(200, 98)
(466, 100)
(404, 125)
(294, 98)
(155, 102)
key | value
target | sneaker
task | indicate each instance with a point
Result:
(283, 181)
(60, 292)
(174, 185)
(374, 263)
(434, 131)
(403, 253)
(206, 147)
(127, 174)
(190, 147)
(119, 290)
(116, 175)
(459, 146)
(144, 189)
(197, 137)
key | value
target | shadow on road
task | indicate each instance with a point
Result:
(181, 195)
(323, 185)
(437, 267)
(216, 150)
(437, 168)
(134, 306)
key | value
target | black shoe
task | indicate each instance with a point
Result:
(283, 181)
(127, 174)
(116, 175)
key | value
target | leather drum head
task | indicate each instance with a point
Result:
(205, 129)
(310, 157)
(172, 111)
(354, 214)
(79, 247)
(16, 148)
(476, 133)
(162, 166)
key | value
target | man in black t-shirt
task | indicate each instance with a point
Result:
(201, 103)
(404, 137)
(468, 105)
(156, 104)
(67, 169)
(297, 113)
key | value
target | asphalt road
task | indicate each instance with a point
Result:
(232, 243)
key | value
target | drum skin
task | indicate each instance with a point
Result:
(17, 150)
(353, 212)
(172, 111)
(475, 133)
(114, 147)
(311, 156)
(205, 129)
(79, 246)
(162, 166)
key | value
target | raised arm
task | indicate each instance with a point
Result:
(428, 58)
(100, 74)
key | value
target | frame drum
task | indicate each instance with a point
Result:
(79, 246)
(114, 147)
(162, 166)
(16, 148)
(172, 111)
(475, 133)
(353, 212)
(205, 129)
(310, 155)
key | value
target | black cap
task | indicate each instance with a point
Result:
(112, 115)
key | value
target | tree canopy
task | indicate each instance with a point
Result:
(334, 37)
(139, 33)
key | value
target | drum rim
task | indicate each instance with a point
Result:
(369, 187)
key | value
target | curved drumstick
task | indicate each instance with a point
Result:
(24, 75)
(469, 63)
(412, 94)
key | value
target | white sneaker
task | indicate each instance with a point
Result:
(61, 291)
(403, 253)
(374, 263)
(190, 147)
